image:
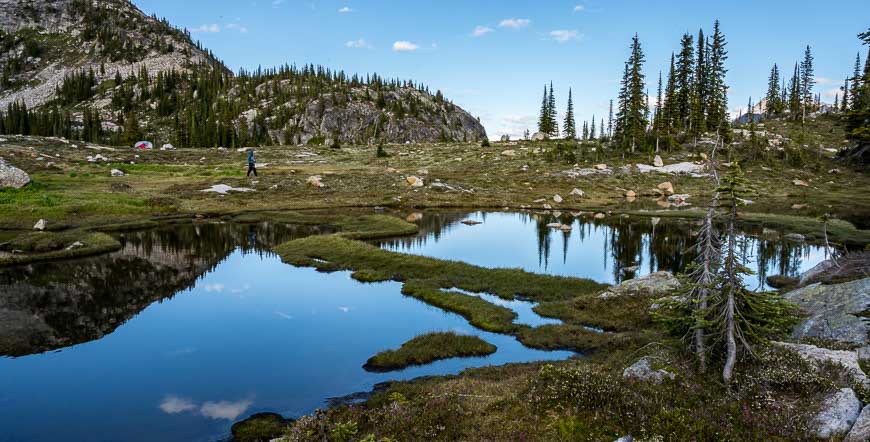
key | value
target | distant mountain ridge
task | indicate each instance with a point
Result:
(118, 74)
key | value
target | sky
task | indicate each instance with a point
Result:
(493, 57)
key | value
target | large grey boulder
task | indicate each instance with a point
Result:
(833, 311)
(11, 176)
(642, 370)
(817, 355)
(839, 412)
(860, 431)
(655, 284)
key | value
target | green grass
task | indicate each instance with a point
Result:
(428, 348)
(261, 427)
(47, 246)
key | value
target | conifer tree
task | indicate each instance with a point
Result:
(569, 127)
(773, 92)
(844, 103)
(632, 119)
(794, 95)
(716, 89)
(698, 119)
(551, 115)
(669, 113)
(685, 78)
(592, 129)
(544, 119)
(807, 83)
(610, 121)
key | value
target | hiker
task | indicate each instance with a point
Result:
(252, 167)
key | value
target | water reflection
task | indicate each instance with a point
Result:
(191, 327)
(609, 251)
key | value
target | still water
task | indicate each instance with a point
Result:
(191, 327)
(608, 251)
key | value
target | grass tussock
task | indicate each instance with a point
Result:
(428, 348)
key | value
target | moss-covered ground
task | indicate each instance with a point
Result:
(428, 348)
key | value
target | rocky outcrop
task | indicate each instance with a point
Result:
(860, 431)
(817, 355)
(643, 370)
(850, 266)
(839, 412)
(11, 176)
(833, 311)
(658, 284)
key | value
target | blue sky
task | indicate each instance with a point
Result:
(494, 57)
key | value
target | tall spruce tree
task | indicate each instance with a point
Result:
(669, 114)
(716, 89)
(632, 116)
(544, 119)
(685, 80)
(592, 129)
(698, 118)
(773, 93)
(610, 121)
(794, 94)
(552, 115)
(808, 80)
(844, 103)
(569, 127)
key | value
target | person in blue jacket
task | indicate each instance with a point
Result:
(252, 166)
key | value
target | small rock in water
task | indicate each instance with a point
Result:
(630, 194)
(657, 162)
(600, 215)
(471, 222)
(40, 225)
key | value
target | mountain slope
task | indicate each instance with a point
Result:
(101, 70)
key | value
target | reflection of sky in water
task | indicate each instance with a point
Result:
(512, 240)
(253, 335)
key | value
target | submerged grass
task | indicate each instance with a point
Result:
(428, 348)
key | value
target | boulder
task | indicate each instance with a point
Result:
(315, 181)
(657, 284)
(834, 171)
(167, 146)
(415, 181)
(414, 217)
(691, 169)
(40, 225)
(11, 176)
(860, 431)
(666, 187)
(600, 167)
(509, 153)
(630, 194)
(117, 173)
(557, 199)
(578, 193)
(796, 237)
(223, 189)
(800, 183)
(848, 359)
(851, 266)
(833, 311)
(642, 370)
(600, 215)
(657, 162)
(539, 136)
(799, 206)
(839, 412)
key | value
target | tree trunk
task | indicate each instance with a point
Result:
(730, 340)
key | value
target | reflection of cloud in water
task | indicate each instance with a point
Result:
(175, 405)
(344, 308)
(283, 315)
(225, 409)
(217, 287)
(182, 351)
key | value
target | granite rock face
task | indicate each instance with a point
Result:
(833, 311)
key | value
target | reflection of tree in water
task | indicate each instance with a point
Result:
(56, 304)
(432, 226)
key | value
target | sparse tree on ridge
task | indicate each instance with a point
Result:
(631, 120)
(773, 92)
(807, 82)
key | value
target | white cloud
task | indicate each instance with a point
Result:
(514, 23)
(345, 10)
(480, 31)
(276, 3)
(831, 93)
(823, 80)
(358, 44)
(217, 287)
(225, 409)
(564, 35)
(175, 405)
(579, 8)
(238, 27)
(212, 28)
(404, 46)
(513, 125)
